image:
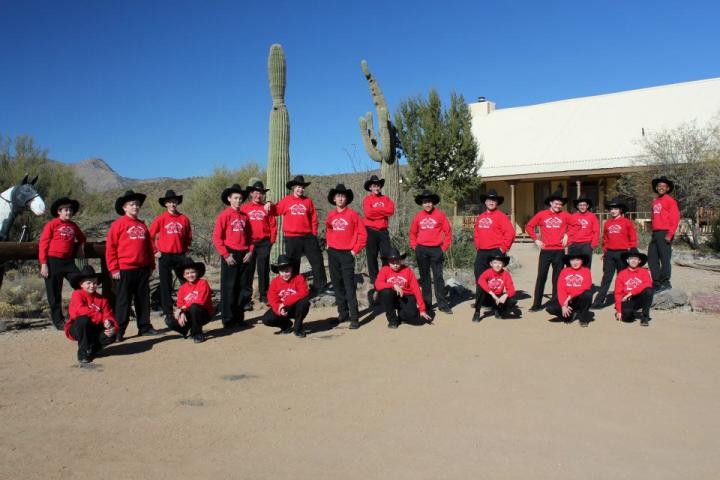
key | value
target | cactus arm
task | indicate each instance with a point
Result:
(368, 135)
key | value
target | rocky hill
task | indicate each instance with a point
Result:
(100, 177)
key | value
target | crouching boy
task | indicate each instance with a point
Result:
(634, 289)
(497, 290)
(399, 292)
(574, 289)
(194, 301)
(288, 297)
(92, 323)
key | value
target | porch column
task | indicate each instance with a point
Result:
(512, 204)
(578, 185)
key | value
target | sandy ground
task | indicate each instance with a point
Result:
(522, 398)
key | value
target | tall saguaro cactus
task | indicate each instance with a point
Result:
(278, 167)
(383, 151)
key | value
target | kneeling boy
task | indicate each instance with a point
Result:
(634, 289)
(288, 297)
(497, 290)
(574, 290)
(194, 301)
(399, 292)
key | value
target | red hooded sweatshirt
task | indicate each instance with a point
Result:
(59, 239)
(377, 209)
(171, 233)
(632, 281)
(299, 216)
(493, 230)
(553, 227)
(286, 293)
(497, 282)
(232, 229)
(666, 214)
(263, 225)
(572, 283)
(92, 305)
(345, 231)
(430, 230)
(619, 234)
(405, 278)
(584, 228)
(198, 292)
(128, 245)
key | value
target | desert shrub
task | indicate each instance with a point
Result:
(25, 295)
(461, 253)
(714, 241)
(8, 311)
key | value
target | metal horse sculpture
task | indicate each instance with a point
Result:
(12, 202)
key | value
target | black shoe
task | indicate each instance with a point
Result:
(169, 320)
(536, 308)
(597, 306)
(59, 324)
(354, 324)
(584, 324)
(662, 287)
(393, 324)
(447, 310)
(242, 325)
(263, 300)
(645, 321)
(299, 334)
(83, 357)
(477, 316)
(199, 338)
(119, 337)
(248, 307)
(148, 331)
(497, 313)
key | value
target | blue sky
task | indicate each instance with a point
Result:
(174, 88)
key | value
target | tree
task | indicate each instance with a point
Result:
(439, 146)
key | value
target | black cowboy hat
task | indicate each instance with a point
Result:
(634, 253)
(433, 197)
(130, 196)
(503, 258)
(340, 188)
(665, 180)
(282, 261)
(234, 188)
(298, 180)
(492, 195)
(373, 179)
(77, 278)
(393, 254)
(188, 262)
(170, 195)
(556, 195)
(585, 259)
(258, 186)
(583, 199)
(616, 202)
(74, 205)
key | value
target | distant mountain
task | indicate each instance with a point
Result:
(100, 177)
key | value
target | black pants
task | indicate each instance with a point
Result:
(58, 269)
(484, 299)
(399, 308)
(166, 270)
(232, 289)
(642, 301)
(297, 310)
(659, 258)
(431, 258)
(133, 287)
(582, 249)
(378, 242)
(342, 276)
(580, 306)
(296, 247)
(90, 336)
(260, 260)
(196, 317)
(547, 258)
(612, 264)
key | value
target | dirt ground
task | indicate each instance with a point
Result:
(501, 399)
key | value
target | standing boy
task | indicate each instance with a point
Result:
(263, 227)
(665, 221)
(584, 231)
(378, 209)
(494, 233)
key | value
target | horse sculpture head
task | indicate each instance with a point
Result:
(25, 195)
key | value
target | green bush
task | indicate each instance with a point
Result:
(714, 241)
(24, 296)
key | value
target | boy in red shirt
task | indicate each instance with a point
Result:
(129, 257)
(633, 289)
(171, 236)
(346, 237)
(584, 231)
(619, 236)
(194, 301)
(497, 290)
(494, 234)
(60, 241)
(300, 229)
(378, 209)
(233, 241)
(665, 221)
(574, 290)
(553, 224)
(92, 323)
(263, 227)
(288, 297)
(399, 292)
(430, 237)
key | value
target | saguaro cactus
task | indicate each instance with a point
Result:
(278, 167)
(384, 150)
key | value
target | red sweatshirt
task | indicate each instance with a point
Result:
(493, 230)
(404, 277)
(497, 282)
(288, 293)
(262, 224)
(128, 245)
(59, 239)
(572, 283)
(198, 292)
(83, 304)
(232, 229)
(619, 234)
(632, 281)
(345, 231)
(377, 209)
(584, 228)
(299, 216)
(430, 230)
(553, 226)
(666, 214)
(171, 233)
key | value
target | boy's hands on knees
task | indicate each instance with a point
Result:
(116, 275)
(109, 328)
(502, 298)
(398, 289)
(182, 319)
(425, 316)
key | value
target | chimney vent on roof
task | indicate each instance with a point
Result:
(481, 99)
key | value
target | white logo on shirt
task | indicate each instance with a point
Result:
(66, 232)
(615, 228)
(427, 223)
(173, 228)
(191, 297)
(298, 209)
(339, 224)
(237, 225)
(285, 293)
(583, 223)
(257, 215)
(553, 222)
(378, 204)
(485, 222)
(92, 306)
(397, 280)
(633, 283)
(136, 233)
(657, 208)
(574, 280)
(496, 283)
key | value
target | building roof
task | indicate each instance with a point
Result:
(588, 133)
